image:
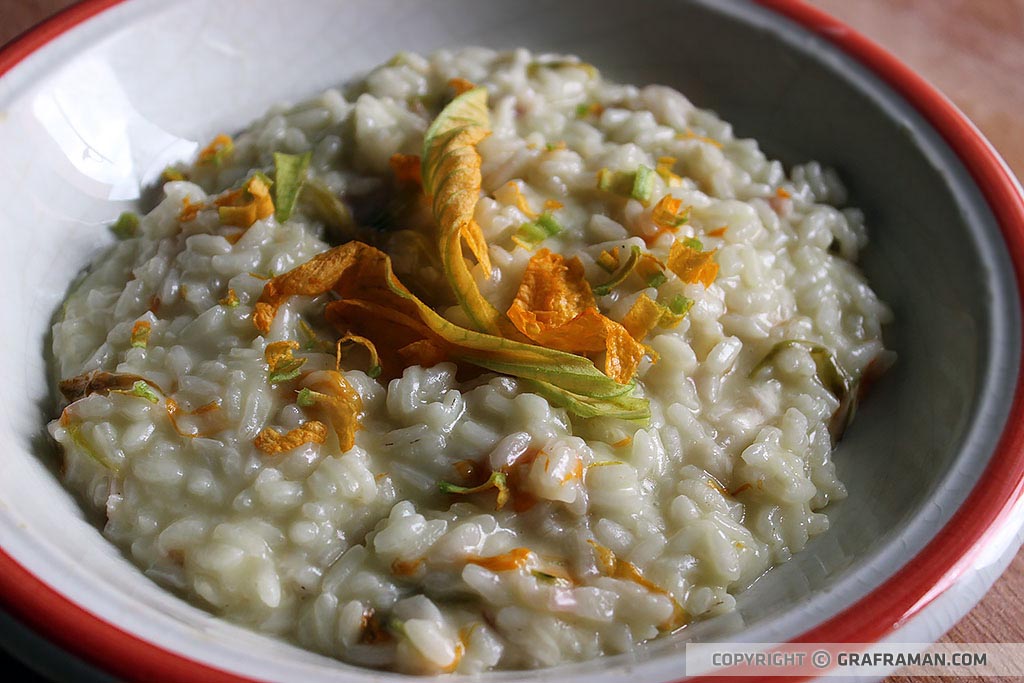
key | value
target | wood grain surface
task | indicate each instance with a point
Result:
(973, 51)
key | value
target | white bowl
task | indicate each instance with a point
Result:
(97, 101)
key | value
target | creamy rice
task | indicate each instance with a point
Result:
(359, 555)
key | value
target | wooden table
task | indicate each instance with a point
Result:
(972, 50)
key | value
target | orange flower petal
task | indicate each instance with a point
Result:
(692, 265)
(374, 369)
(374, 304)
(516, 558)
(425, 352)
(230, 299)
(312, 278)
(281, 364)
(519, 199)
(331, 394)
(555, 307)
(666, 213)
(400, 341)
(642, 317)
(553, 292)
(245, 205)
(140, 334)
(238, 216)
(461, 85)
(651, 271)
(664, 169)
(452, 178)
(271, 441)
(189, 211)
(622, 353)
(219, 147)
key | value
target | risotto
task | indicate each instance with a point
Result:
(482, 362)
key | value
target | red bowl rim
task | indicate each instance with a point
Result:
(923, 578)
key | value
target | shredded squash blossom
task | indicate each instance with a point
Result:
(74, 429)
(451, 177)
(189, 210)
(405, 331)
(282, 366)
(461, 85)
(608, 261)
(514, 559)
(245, 205)
(519, 199)
(496, 481)
(374, 370)
(646, 314)
(668, 213)
(651, 271)
(555, 307)
(637, 184)
(230, 299)
(326, 206)
(140, 334)
(97, 382)
(692, 265)
(272, 442)
(330, 393)
(218, 149)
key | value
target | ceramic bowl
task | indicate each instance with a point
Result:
(94, 103)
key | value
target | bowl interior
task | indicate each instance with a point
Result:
(92, 117)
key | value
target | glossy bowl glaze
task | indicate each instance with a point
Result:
(95, 103)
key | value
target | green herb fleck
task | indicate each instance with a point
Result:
(497, 481)
(286, 370)
(171, 174)
(142, 389)
(638, 184)
(126, 225)
(533, 233)
(656, 279)
(289, 175)
(679, 304)
(643, 184)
